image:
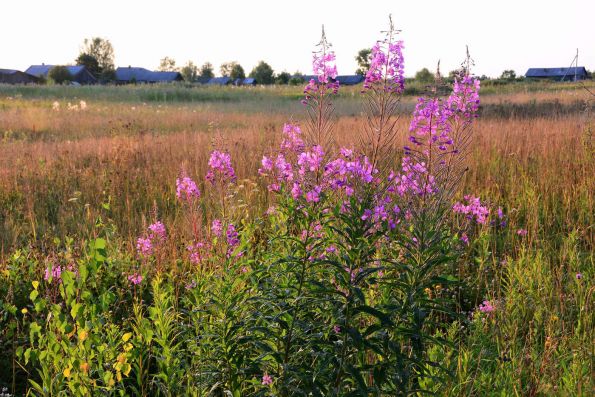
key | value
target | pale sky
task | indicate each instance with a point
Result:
(501, 34)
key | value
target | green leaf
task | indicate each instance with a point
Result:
(33, 295)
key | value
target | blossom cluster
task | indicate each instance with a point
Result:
(220, 168)
(186, 189)
(473, 209)
(325, 70)
(387, 67)
(145, 245)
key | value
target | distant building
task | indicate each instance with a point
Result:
(558, 74)
(343, 80)
(132, 75)
(219, 81)
(249, 81)
(79, 73)
(10, 76)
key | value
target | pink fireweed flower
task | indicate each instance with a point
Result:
(54, 272)
(135, 278)
(522, 232)
(217, 227)
(267, 380)
(220, 168)
(387, 66)
(233, 239)
(579, 276)
(336, 329)
(157, 231)
(198, 252)
(486, 307)
(325, 69)
(465, 239)
(292, 138)
(186, 189)
(144, 246)
(473, 209)
(463, 103)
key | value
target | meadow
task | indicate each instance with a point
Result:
(501, 306)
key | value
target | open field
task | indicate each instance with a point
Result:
(107, 171)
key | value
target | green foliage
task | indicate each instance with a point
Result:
(90, 62)
(424, 76)
(282, 78)
(60, 75)
(167, 64)
(102, 51)
(206, 71)
(363, 61)
(189, 72)
(263, 73)
(232, 70)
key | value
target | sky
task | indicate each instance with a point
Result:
(501, 34)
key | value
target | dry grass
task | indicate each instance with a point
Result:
(57, 167)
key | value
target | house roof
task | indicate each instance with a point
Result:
(219, 81)
(249, 80)
(43, 70)
(8, 71)
(350, 79)
(556, 72)
(141, 74)
(343, 80)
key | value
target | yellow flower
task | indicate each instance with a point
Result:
(66, 372)
(24, 310)
(83, 335)
(84, 367)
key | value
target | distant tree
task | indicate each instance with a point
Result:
(225, 68)
(102, 50)
(206, 71)
(297, 78)
(508, 75)
(90, 62)
(167, 64)
(424, 76)
(189, 72)
(282, 78)
(263, 73)
(60, 75)
(237, 72)
(363, 61)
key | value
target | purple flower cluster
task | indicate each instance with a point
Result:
(233, 239)
(135, 279)
(325, 69)
(217, 227)
(463, 103)
(186, 189)
(292, 139)
(387, 66)
(486, 307)
(198, 252)
(473, 209)
(310, 175)
(220, 168)
(54, 272)
(146, 245)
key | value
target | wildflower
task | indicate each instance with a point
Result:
(465, 239)
(198, 252)
(83, 105)
(157, 230)
(579, 276)
(292, 140)
(387, 65)
(220, 164)
(54, 273)
(144, 246)
(135, 278)
(486, 307)
(337, 329)
(186, 189)
(267, 380)
(217, 227)
(473, 209)
(522, 232)
(56, 106)
(232, 238)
